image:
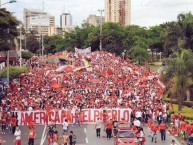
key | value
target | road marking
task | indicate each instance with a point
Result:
(43, 136)
(84, 130)
(174, 138)
(86, 140)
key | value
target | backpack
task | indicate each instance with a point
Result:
(73, 138)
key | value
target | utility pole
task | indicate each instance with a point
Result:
(101, 28)
(20, 57)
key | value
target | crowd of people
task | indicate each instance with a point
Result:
(107, 81)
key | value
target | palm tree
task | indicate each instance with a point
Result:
(179, 72)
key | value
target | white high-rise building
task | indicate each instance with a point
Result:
(65, 20)
(118, 11)
(38, 20)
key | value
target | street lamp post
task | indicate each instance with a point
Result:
(101, 25)
(11, 1)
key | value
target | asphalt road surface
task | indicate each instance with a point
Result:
(86, 135)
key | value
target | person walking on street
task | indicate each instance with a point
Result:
(163, 128)
(65, 126)
(109, 127)
(72, 138)
(154, 129)
(98, 127)
(65, 139)
(31, 136)
(17, 135)
(3, 125)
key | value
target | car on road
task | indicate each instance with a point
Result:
(125, 136)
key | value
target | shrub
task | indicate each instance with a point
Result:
(14, 72)
(186, 112)
(26, 54)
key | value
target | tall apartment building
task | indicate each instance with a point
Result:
(65, 20)
(118, 11)
(95, 20)
(38, 20)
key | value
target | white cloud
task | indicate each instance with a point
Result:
(144, 12)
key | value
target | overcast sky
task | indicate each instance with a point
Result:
(144, 12)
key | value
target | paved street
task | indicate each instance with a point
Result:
(85, 136)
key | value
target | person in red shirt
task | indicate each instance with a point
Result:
(109, 127)
(189, 131)
(154, 129)
(77, 118)
(149, 122)
(183, 128)
(162, 128)
(3, 125)
(31, 125)
(31, 136)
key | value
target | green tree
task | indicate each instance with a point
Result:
(182, 29)
(32, 43)
(178, 74)
(54, 44)
(112, 38)
(8, 29)
(139, 53)
(79, 37)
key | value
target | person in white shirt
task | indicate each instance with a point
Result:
(65, 126)
(17, 135)
(138, 115)
(98, 127)
(137, 122)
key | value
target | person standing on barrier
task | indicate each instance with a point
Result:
(76, 118)
(31, 136)
(163, 128)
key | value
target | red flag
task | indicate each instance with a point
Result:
(110, 72)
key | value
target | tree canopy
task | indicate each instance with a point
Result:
(8, 29)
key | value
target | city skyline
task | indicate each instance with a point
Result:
(143, 12)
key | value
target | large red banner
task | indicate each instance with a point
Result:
(58, 116)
